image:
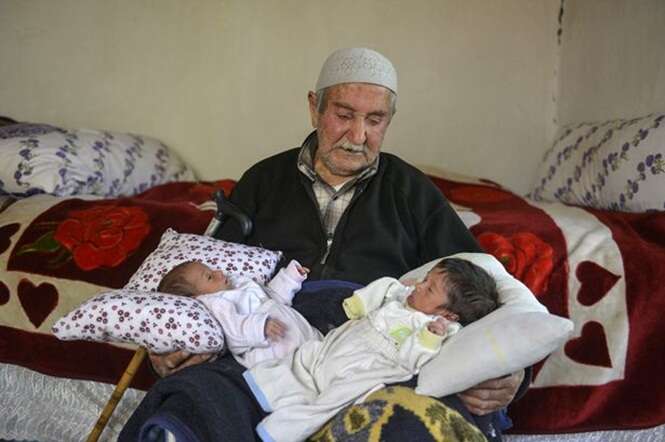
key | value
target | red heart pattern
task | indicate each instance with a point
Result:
(591, 347)
(6, 233)
(37, 301)
(4, 293)
(595, 281)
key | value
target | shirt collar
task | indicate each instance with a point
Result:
(306, 161)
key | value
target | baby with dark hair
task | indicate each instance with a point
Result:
(393, 330)
(471, 291)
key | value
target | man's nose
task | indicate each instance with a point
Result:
(357, 133)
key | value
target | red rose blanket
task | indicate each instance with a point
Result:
(604, 270)
(57, 252)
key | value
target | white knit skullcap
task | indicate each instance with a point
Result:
(357, 65)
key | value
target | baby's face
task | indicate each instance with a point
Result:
(205, 280)
(431, 295)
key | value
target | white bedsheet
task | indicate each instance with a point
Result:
(46, 408)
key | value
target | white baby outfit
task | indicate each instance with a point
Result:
(388, 342)
(243, 311)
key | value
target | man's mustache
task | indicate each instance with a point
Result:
(357, 148)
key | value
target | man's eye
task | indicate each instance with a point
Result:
(374, 121)
(344, 116)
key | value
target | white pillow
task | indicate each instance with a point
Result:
(160, 322)
(232, 258)
(39, 158)
(616, 165)
(518, 334)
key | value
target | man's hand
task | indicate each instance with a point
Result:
(492, 395)
(168, 363)
(274, 329)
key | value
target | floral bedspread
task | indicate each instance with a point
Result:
(603, 270)
(56, 252)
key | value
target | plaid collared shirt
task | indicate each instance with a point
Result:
(332, 201)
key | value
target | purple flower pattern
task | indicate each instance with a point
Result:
(160, 322)
(592, 170)
(174, 248)
(63, 162)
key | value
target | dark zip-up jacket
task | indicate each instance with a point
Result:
(397, 220)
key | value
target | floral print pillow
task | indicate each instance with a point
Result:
(160, 322)
(232, 258)
(616, 165)
(39, 158)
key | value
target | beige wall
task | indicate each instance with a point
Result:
(224, 82)
(613, 62)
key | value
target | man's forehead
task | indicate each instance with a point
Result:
(354, 87)
(356, 95)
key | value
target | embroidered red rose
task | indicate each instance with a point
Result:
(103, 235)
(525, 256)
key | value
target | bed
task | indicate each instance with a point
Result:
(599, 264)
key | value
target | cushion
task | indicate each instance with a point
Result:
(518, 334)
(39, 158)
(232, 258)
(615, 165)
(160, 322)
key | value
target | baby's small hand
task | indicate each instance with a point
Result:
(274, 329)
(302, 270)
(438, 327)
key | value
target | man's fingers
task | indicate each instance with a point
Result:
(169, 363)
(479, 407)
(159, 364)
(164, 364)
(194, 360)
(492, 394)
(173, 360)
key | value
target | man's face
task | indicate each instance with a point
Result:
(205, 280)
(431, 295)
(350, 130)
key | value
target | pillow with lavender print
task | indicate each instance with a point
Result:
(232, 258)
(160, 322)
(40, 158)
(615, 165)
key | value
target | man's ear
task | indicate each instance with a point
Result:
(313, 112)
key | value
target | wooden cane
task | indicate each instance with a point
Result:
(119, 390)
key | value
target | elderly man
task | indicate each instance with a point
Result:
(345, 210)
